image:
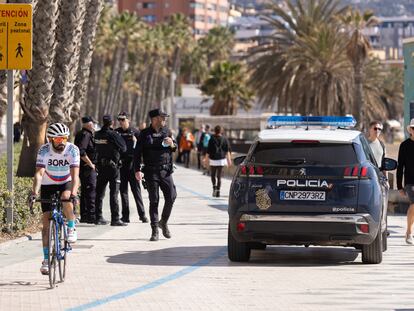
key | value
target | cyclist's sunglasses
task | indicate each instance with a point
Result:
(59, 140)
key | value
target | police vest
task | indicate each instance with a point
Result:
(105, 146)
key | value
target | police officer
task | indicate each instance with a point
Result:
(130, 135)
(154, 150)
(109, 147)
(85, 141)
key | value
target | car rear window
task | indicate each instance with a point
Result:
(308, 154)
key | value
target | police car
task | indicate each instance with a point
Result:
(309, 181)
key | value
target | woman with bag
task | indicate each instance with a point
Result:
(219, 155)
(186, 144)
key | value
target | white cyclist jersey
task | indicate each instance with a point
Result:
(57, 165)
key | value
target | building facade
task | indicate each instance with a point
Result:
(204, 14)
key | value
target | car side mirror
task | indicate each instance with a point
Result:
(389, 164)
(238, 160)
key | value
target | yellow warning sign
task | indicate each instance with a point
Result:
(16, 36)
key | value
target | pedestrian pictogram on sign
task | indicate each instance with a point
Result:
(15, 36)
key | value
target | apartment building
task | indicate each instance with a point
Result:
(204, 14)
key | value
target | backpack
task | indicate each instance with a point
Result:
(217, 148)
(206, 139)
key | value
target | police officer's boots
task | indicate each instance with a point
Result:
(164, 227)
(154, 235)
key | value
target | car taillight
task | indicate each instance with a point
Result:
(356, 171)
(364, 228)
(241, 226)
(259, 170)
(243, 170)
(364, 171)
(251, 169)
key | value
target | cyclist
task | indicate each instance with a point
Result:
(57, 170)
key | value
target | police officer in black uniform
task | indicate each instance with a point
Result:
(130, 135)
(154, 150)
(109, 147)
(84, 139)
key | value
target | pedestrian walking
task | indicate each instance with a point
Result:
(154, 150)
(377, 146)
(186, 145)
(218, 155)
(206, 139)
(199, 145)
(406, 168)
(109, 147)
(127, 171)
(85, 141)
(178, 138)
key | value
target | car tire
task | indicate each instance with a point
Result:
(237, 251)
(372, 253)
(384, 241)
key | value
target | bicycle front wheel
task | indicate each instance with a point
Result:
(63, 252)
(53, 244)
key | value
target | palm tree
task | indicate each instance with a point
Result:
(195, 67)
(227, 84)
(302, 67)
(217, 44)
(89, 27)
(357, 50)
(374, 75)
(38, 92)
(104, 46)
(68, 36)
(124, 26)
(392, 89)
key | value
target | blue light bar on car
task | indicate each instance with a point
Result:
(276, 121)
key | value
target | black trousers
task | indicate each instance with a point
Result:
(216, 172)
(108, 174)
(128, 177)
(88, 193)
(160, 180)
(186, 157)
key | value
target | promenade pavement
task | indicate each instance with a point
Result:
(117, 268)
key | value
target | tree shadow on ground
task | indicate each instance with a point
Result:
(23, 286)
(273, 256)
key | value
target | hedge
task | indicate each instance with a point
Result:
(22, 218)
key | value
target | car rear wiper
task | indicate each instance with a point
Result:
(290, 161)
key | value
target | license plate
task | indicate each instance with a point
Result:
(302, 195)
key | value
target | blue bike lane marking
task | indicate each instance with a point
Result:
(161, 281)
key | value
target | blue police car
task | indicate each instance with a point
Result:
(309, 181)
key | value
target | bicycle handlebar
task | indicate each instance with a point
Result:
(48, 201)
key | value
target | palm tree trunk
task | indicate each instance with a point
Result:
(359, 104)
(93, 10)
(120, 76)
(38, 92)
(115, 69)
(68, 36)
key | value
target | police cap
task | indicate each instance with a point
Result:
(123, 115)
(87, 119)
(157, 112)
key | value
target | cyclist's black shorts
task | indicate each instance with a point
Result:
(46, 192)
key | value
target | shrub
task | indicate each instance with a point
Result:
(22, 218)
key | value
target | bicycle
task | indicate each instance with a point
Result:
(57, 238)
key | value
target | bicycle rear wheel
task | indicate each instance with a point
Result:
(52, 253)
(63, 252)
